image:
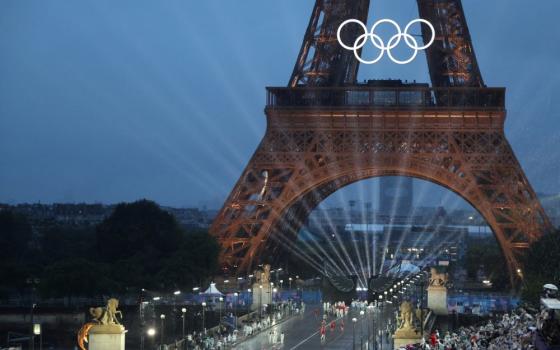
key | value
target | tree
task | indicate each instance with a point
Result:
(195, 260)
(76, 277)
(135, 228)
(541, 265)
(15, 234)
(146, 248)
(486, 254)
(61, 243)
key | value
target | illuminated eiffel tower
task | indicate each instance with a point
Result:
(325, 131)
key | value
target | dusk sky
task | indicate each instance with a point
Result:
(109, 101)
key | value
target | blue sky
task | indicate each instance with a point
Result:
(107, 101)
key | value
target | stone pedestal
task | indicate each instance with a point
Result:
(404, 337)
(437, 300)
(261, 296)
(106, 337)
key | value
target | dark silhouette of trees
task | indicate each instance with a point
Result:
(485, 255)
(138, 246)
(135, 228)
(541, 266)
(15, 237)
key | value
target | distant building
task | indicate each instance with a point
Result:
(395, 195)
(87, 215)
(74, 215)
(192, 217)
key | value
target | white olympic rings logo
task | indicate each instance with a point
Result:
(380, 44)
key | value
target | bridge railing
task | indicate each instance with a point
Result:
(386, 97)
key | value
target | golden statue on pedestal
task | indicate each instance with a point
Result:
(103, 317)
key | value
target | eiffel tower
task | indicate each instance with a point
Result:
(326, 130)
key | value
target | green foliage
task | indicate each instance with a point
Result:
(138, 246)
(76, 277)
(485, 254)
(139, 227)
(61, 243)
(541, 266)
(15, 234)
(192, 262)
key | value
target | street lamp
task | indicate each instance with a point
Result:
(37, 331)
(162, 317)
(362, 328)
(236, 296)
(203, 317)
(369, 316)
(220, 311)
(354, 320)
(260, 301)
(290, 283)
(183, 314)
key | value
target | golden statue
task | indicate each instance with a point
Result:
(406, 316)
(108, 314)
(263, 276)
(102, 316)
(437, 279)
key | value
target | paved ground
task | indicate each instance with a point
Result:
(302, 332)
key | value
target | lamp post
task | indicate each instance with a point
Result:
(32, 337)
(203, 317)
(422, 280)
(370, 316)
(249, 293)
(260, 301)
(38, 331)
(354, 320)
(362, 328)
(162, 318)
(183, 315)
(290, 283)
(151, 332)
(271, 292)
(220, 311)
(236, 300)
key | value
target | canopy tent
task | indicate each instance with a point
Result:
(212, 295)
(212, 291)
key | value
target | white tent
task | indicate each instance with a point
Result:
(212, 291)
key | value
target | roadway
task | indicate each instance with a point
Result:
(302, 332)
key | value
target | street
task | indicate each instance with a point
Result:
(303, 332)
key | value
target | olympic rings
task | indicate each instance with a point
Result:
(393, 42)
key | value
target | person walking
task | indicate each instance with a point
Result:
(323, 333)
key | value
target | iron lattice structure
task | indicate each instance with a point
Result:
(321, 60)
(322, 136)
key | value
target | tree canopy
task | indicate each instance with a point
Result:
(541, 266)
(15, 235)
(138, 246)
